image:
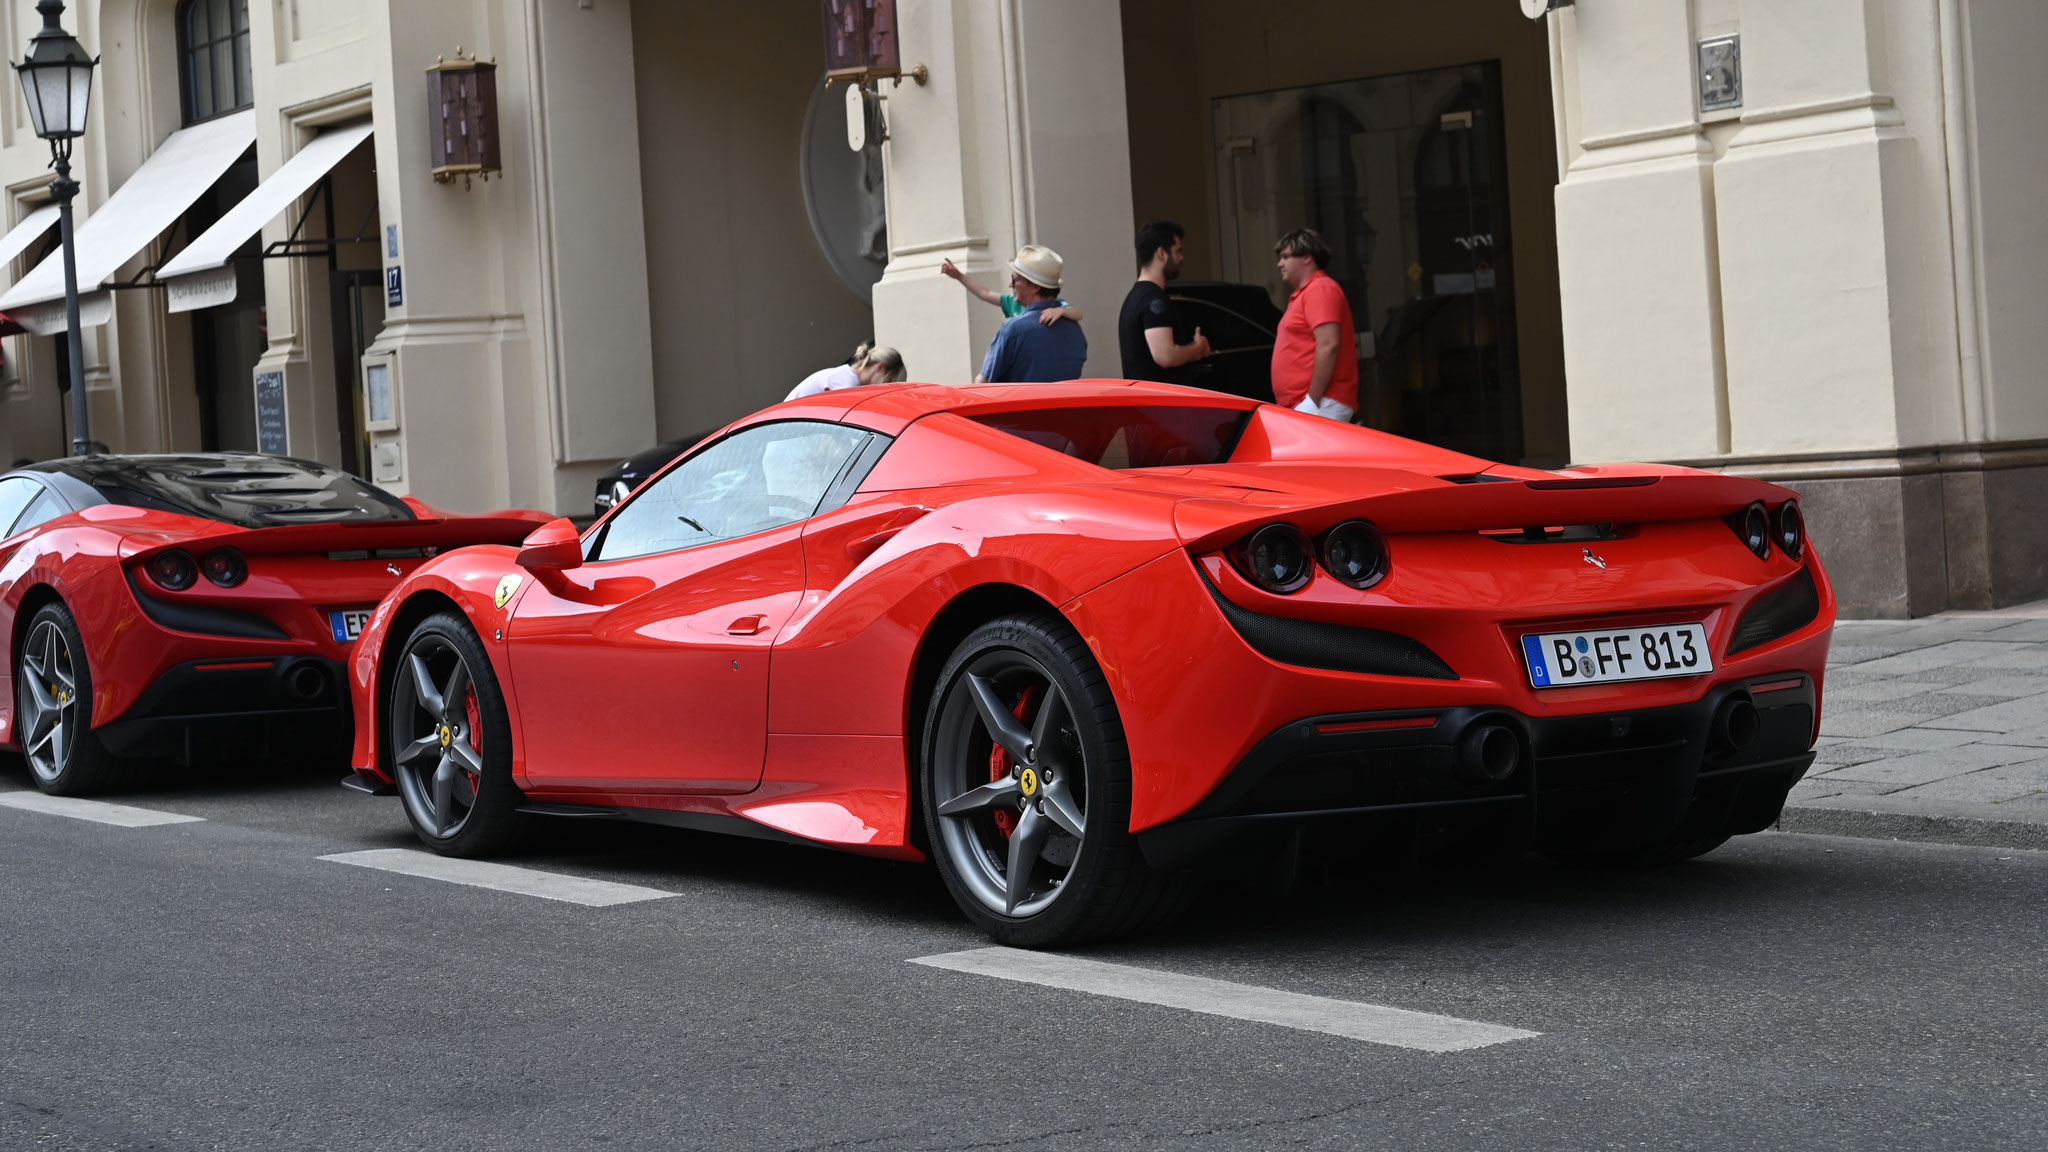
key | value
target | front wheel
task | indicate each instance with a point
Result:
(1027, 791)
(451, 741)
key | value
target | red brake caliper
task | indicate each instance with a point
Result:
(471, 714)
(999, 767)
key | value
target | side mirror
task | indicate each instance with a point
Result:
(554, 546)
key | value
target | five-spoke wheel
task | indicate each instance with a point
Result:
(449, 740)
(1026, 784)
(53, 707)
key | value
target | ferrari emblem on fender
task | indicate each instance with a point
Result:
(1591, 558)
(506, 587)
(1028, 782)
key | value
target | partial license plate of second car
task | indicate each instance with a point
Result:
(348, 623)
(1569, 659)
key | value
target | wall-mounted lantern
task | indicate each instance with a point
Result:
(462, 94)
(860, 43)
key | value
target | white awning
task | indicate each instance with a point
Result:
(176, 174)
(27, 232)
(199, 277)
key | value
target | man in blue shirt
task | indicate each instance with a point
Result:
(1025, 350)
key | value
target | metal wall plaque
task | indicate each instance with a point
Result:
(271, 436)
(1720, 73)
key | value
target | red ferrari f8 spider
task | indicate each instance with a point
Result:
(1080, 641)
(161, 605)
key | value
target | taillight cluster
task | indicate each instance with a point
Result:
(174, 570)
(1760, 529)
(1281, 558)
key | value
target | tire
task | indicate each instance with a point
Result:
(53, 709)
(1002, 813)
(450, 740)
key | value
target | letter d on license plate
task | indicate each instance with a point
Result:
(1566, 659)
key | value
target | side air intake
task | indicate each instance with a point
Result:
(1336, 647)
(1779, 611)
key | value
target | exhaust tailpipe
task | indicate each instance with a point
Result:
(1489, 754)
(1736, 724)
(306, 682)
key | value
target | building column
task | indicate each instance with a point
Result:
(1020, 137)
(1635, 233)
(520, 353)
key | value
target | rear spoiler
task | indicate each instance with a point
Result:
(1449, 507)
(507, 527)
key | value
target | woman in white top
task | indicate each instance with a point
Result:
(868, 366)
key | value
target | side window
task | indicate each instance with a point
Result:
(46, 507)
(756, 479)
(15, 493)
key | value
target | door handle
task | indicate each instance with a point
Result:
(748, 626)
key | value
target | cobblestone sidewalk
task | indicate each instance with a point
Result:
(1934, 729)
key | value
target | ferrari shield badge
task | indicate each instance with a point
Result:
(1029, 782)
(506, 587)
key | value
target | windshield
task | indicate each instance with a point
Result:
(1120, 437)
(246, 491)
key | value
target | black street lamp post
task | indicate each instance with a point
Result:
(56, 80)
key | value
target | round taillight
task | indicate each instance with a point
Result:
(225, 567)
(1355, 553)
(1756, 531)
(173, 569)
(1276, 558)
(1791, 534)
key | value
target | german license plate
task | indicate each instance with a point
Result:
(348, 623)
(1567, 659)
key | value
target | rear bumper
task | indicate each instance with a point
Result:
(234, 698)
(1584, 779)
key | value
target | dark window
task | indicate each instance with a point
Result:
(1155, 436)
(213, 48)
(756, 479)
(249, 491)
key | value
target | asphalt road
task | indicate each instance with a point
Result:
(216, 984)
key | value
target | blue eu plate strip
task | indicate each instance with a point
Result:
(1532, 646)
(340, 622)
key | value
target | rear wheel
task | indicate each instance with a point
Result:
(451, 741)
(1027, 791)
(53, 708)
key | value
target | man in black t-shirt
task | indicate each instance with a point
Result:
(1144, 329)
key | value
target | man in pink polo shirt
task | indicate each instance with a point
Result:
(1314, 367)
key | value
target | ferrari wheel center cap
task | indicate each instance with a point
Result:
(447, 736)
(1028, 782)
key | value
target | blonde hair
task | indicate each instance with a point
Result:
(889, 360)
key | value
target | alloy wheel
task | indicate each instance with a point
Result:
(437, 740)
(1011, 764)
(49, 710)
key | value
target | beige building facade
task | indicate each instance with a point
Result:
(1791, 240)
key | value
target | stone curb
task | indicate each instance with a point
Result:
(1934, 829)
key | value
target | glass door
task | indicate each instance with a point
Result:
(358, 298)
(1404, 177)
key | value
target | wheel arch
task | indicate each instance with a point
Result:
(417, 606)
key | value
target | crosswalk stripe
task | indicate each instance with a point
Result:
(499, 877)
(97, 811)
(1374, 1023)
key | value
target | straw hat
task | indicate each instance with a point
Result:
(1040, 265)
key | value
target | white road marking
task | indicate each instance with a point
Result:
(499, 877)
(1370, 1022)
(97, 811)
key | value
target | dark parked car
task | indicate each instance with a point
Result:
(1239, 320)
(627, 474)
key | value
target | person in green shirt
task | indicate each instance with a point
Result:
(1060, 310)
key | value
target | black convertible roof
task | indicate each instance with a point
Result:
(240, 488)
